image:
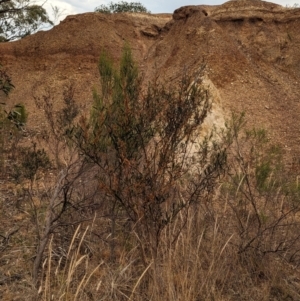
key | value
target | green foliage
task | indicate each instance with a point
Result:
(263, 197)
(113, 117)
(20, 18)
(18, 116)
(12, 128)
(12, 123)
(122, 7)
(262, 173)
(152, 163)
(5, 126)
(266, 158)
(5, 82)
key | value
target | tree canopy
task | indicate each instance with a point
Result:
(19, 18)
(122, 7)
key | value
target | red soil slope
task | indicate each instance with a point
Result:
(250, 49)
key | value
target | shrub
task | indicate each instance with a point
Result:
(151, 161)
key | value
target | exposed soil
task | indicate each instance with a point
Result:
(250, 49)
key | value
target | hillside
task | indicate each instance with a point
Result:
(250, 49)
(134, 204)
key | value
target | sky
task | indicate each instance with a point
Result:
(71, 7)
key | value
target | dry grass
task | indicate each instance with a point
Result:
(238, 241)
(204, 254)
(197, 260)
(200, 262)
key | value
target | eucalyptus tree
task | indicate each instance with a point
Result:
(122, 7)
(19, 18)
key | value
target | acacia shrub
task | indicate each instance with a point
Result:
(261, 203)
(146, 145)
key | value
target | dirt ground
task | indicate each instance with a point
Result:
(250, 50)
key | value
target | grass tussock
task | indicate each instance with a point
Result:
(201, 263)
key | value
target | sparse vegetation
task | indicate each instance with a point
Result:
(295, 5)
(6, 84)
(141, 205)
(122, 7)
